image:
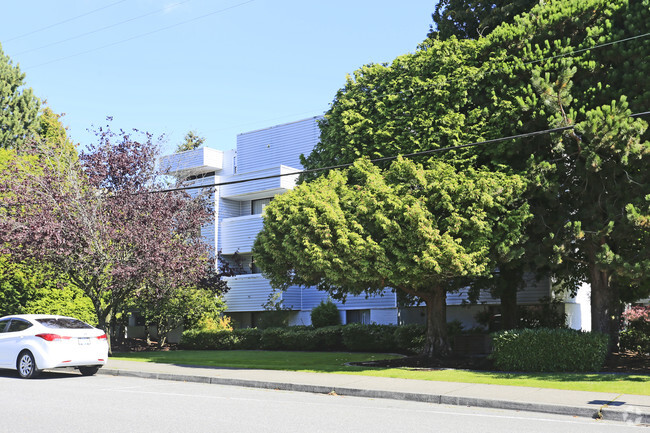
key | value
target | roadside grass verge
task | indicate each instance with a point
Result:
(337, 362)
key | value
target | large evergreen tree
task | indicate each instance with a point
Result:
(18, 106)
(416, 230)
(573, 63)
(471, 19)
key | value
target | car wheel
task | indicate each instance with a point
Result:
(26, 365)
(89, 371)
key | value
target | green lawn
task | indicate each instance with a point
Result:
(336, 362)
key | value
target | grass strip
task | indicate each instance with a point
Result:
(338, 362)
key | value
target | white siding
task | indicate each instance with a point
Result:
(195, 161)
(250, 292)
(247, 293)
(531, 294)
(238, 234)
(311, 297)
(262, 188)
(278, 145)
(384, 316)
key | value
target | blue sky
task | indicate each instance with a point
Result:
(220, 67)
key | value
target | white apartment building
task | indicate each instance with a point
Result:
(248, 175)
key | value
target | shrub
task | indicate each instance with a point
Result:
(325, 314)
(247, 338)
(410, 338)
(272, 339)
(545, 349)
(369, 338)
(208, 340)
(636, 335)
(329, 338)
(300, 338)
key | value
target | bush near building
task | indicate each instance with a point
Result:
(549, 350)
(635, 337)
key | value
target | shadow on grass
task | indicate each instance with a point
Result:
(567, 377)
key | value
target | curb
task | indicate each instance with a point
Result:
(604, 413)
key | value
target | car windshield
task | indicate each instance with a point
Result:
(64, 323)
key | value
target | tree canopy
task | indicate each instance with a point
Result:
(18, 106)
(95, 220)
(191, 141)
(410, 228)
(580, 64)
(471, 19)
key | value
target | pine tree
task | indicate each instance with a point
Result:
(18, 106)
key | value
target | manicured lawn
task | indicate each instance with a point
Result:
(336, 362)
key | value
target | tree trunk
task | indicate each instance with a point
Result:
(437, 344)
(605, 308)
(509, 310)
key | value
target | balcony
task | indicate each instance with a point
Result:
(238, 233)
(192, 162)
(272, 181)
(251, 292)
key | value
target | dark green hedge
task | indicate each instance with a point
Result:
(353, 338)
(548, 350)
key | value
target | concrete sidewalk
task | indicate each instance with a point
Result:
(609, 406)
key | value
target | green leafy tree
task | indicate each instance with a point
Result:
(553, 66)
(18, 106)
(412, 229)
(191, 141)
(100, 225)
(471, 19)
(184, 305)
(548, 76)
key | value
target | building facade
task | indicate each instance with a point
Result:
(248, 177)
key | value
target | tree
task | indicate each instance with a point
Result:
(96, 221)
(585, 178)
(18, 106)
(191, 141)
(471, 19)
(185, 305)
(409, 228)
(558, 65)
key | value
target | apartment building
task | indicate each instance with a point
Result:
(260, 167)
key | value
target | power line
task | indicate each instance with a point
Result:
(64, 21)
(157, 11)
(383, 159)
(412, 90)
(141, 35)
(606, 44)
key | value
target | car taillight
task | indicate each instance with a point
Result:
(52, 337)
(101, 337)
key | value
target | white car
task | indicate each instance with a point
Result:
(30, 343)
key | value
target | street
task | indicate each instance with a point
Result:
(65, 402)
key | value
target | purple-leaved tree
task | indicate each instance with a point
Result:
(96, 220)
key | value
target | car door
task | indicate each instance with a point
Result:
(11, 341)
(4, 354)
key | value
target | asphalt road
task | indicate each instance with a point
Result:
(64, 402)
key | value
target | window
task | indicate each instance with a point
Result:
(17, 325)
(3, 325)
(357, 316)
(257, 206)
(63, 323)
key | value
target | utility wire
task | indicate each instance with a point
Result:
(63, 22)
(157, 11)
(387, 158)
(141, 35)
(606, 44)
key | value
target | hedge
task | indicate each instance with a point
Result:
(548, 350)
(353, 338)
